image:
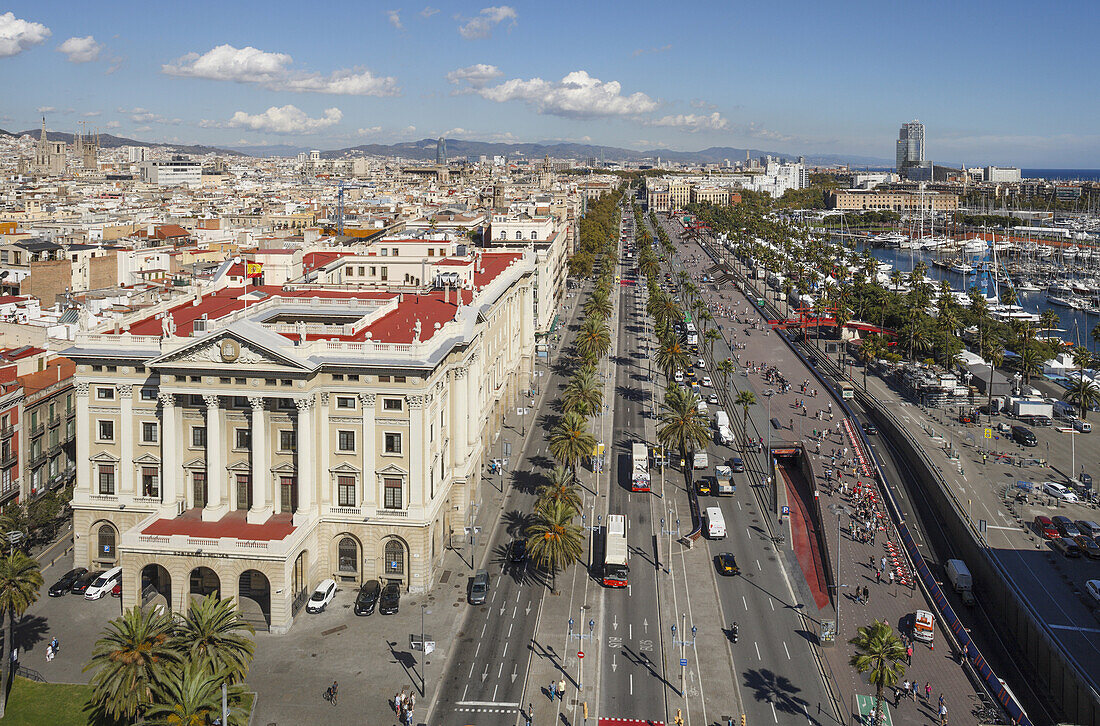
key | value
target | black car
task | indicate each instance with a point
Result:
(367, 597)
(517, 552)
(869, 428)
(65, 584)
(390, 599)
(702, 486)
(737, 464)
(1066, 546)
(81, 583)
(727, 565)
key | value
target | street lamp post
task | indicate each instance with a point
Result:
(683, 643)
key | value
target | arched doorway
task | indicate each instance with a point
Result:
(205, 581)
(156, 587)
(106, 552)
(347, 559)
(394, 555)
(254, 598)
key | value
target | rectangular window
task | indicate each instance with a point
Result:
(288, 440)
(107, 479)
(393, 443)
(105, 394)
(383, 379)
(373, 271)
(345, 491)
(399, 379)
(345, 402)
(106, 430)
(361, 274)
(391, 404)
(392, 492)
(242, 438)
(244, 491)
(346, 440)
(148, 394)
(337, 376)
(148, 432)
(34, 419)
(150, 481)
(198, 437)
(53, 410)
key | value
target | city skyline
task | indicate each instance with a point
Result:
(797, 80)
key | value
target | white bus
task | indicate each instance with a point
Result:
(615, 567)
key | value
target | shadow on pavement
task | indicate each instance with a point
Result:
(778, 691)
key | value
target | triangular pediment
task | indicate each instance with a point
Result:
(344, 468)
(196, 463)
(242, 465)
(393, 469)
(228, 348)
(105, 457)
(284, 468)
(146, 459)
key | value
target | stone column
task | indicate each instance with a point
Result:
(325, 487)
(262, 507)
(461, 409)
(217, 497)
(170, 473)
(85, 476)
(307, 479)
(369, 485)
(126, 431)
(473, 405)
(418, 453)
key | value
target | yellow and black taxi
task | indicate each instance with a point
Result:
(703, 486)
(727, 565)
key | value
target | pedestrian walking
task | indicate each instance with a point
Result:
(943, 714)
(397, 704)
(916, 691)
(905, 688)
(884, 562)
(927, 691)
(909, 655)
(561, 690)
(49, 653)
(866, 595)
(891, 577)
(550, 690)
(878, 577)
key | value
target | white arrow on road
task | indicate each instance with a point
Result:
(514, 673)
(485, 674)
(502, 611)
(615, 623)
(614, 665)
(645, 624)
(527, 611)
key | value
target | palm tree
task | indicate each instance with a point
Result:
(599, 305)
(711, 337)
(594, 338)
(1096, 334)
(671, 357)
(192, 697)
(213, 629)
(682, 426)
(744, 400)
(561, 488)
(993, 352)
(135, 654)
(570, 440)
(725, 368)
(554, 541)
(1083, 392)
(584, 394)
(1030, 361)
(878, 654)
(1048, 319)
(20, 579)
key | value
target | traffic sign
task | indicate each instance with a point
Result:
(683, 662)
(580, 653)
(786, 511)
(989, 433)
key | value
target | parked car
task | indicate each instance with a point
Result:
(1066, 546)
(103, 584)
(712, 399)
(1087, 526)
(81, 584)
(479, 587)
(322, 596)
(116, 591)
(1088, 546)
(390, 599)
(706, 381)
(1093, 588)
(1065, 526)
(64, 584)
(367, 597)
(1045, 528)
(1059, 491)
(703, 486)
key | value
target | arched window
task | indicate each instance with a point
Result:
(519, 234)
(534, 234)
(395, 558)
(348, 555)
(107, 542)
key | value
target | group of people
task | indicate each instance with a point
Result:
(403, 705)
(52, 648)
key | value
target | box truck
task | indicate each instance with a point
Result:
(959, 577)
(724, 475)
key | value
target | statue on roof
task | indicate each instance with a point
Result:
(84, 319)
(167, 325)
(416, 331)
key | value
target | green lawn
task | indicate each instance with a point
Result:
(38, 704)
(57, 704)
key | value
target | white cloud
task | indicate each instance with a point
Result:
(141, 115)
(428, 11)
(16, 34)
(271, 70)
(46, 109)
(394, 16)
(757, 131)
(91, 114)
(476, 75)
(81, 50)
(577, 95)
(113, 124)
(482, 25)
(287, 119)
(369, 131)
(693, 122)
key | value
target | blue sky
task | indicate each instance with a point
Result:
(1010, 82)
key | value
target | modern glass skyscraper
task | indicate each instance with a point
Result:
(910, 151)
(441, 151)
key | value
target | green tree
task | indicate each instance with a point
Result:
(682, 426)
(994, 353)
(553, 540)
(1096, 334)
(135, 654)
(191, 696)
(560, 489)
(711, 337)
(214, 630)
(672, 357)
(20, 578)
(1048, 320)
(583, 394)
(570, 441)
(1084, 393)
(594, 338)
(725, 368)
(745, 399)
(878, 654)
(599, 306)
(1030, 361)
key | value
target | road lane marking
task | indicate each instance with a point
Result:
(467, 685)
(786, 651)
(745, 602)
(630, 631)
(631, 684)
(477, 650)
(499, 671)
(498, 686)
(772, 603)
(758, 565)
(471, 674)
(510, 629)
(514, 611)
(773, 711)
(757, 646)
(483, 629)
(504, 651)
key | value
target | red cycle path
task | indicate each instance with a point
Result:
(804, 538)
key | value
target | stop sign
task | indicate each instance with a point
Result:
(580, 653)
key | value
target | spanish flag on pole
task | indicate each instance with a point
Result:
(255, 269)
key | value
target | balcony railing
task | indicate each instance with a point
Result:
(36, 458)
(8, 459)
(54, 422)
(37, 429)
(7, 431)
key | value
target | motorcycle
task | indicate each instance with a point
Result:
(733, 632)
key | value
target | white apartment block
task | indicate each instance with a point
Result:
(171, 172)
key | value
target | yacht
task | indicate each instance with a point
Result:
(1075, 303)
(974, 246)
(1027, 286)
(962, 268)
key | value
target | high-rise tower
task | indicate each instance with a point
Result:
(910, 146)
(441, 151)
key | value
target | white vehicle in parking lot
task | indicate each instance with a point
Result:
(1059, 491)
(103, 584)
(707, 381)
(322, 596)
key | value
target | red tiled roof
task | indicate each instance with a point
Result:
(233, 524)
(314, 260)
(9, 299)
(168, 231)
(58, 369)
(273, 251)
(455, 262)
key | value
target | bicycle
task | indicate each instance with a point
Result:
(330, 695)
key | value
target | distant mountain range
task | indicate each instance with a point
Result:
(109, 141)
(424, 149)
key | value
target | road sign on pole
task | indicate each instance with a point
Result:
(580, 653)
(683, 662)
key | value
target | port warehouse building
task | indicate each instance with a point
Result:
(895, 201)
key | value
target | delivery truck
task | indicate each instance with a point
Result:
(721, 418)
(724, 475)
(725, 435)
(959, 576)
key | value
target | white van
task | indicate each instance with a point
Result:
(715, 523)
(104, 584)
